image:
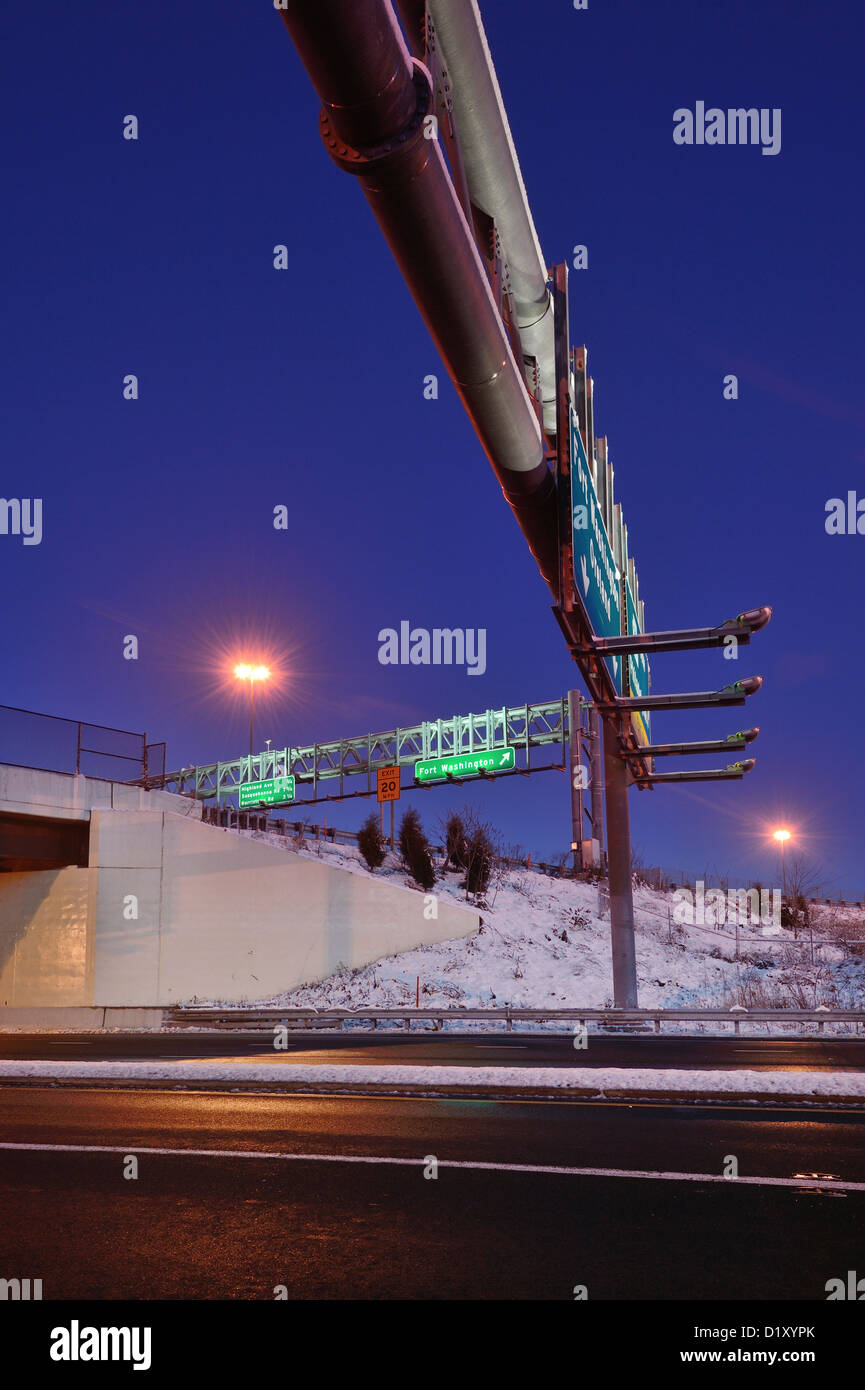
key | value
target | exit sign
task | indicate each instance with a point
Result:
(465, 765)
(388, 783)
(269, 792)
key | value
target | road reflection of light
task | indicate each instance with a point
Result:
(819, 1191)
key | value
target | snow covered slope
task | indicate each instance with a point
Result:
(543, 942)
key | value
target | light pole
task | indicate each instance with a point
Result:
(251, 674)
(782, 836)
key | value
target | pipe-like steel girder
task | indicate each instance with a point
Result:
(733, 772)
(495, 180)
(735, 694)
(688, 639)
(375, 99)
(732, 743)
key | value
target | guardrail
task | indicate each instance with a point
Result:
(228, 818)
(197, 1016)
(835, 902)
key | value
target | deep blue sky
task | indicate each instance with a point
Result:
(305, 388)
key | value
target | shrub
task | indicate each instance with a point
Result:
(456, 840)
(479, 860)
(371, 842)
(415, 851)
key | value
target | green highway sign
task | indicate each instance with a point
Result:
(269, 792)
(465, 764)
(595, 573)
(638, 668)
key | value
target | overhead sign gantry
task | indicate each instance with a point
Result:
(462, 233)
(448, 749)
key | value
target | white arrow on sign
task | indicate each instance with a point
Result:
(585, 573)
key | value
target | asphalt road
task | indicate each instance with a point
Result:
(488, 1049)
(219, 1225)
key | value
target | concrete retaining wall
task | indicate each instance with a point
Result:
(45, 940)
(171, 910)
(85, 1020)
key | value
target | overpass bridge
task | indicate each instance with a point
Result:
(119, 895)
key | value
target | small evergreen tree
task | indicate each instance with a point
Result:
(371, 842)
(415, 851)
(480, 854)
(455, 840)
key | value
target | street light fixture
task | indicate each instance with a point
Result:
(251, 674)
(782, 836)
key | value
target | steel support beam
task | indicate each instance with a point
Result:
(735, 694)
(740, 629)
(732, 743)
(575, 748)
(734, 772)
(596, 780)
(375, 100)
(619, 856)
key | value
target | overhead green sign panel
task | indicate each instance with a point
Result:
(638, 667)
(465, 765)
(269, 792)
(595, 572)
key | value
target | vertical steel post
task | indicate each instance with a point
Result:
(596, 781)
(619, 853)
(575, 745)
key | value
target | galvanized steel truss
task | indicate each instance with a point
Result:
(523, 727)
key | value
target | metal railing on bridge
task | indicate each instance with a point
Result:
(53, 743)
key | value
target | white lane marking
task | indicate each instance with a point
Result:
(646, 1173)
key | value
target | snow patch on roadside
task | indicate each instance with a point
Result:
(593, 1080)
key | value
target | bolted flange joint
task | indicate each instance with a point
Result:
(382, 158)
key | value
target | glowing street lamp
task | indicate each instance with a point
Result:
(782, 836)
(251, 674)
